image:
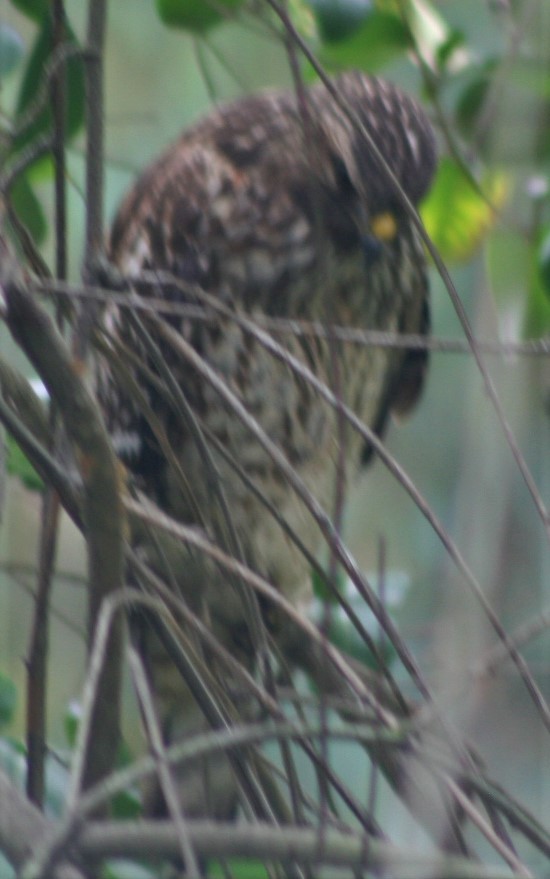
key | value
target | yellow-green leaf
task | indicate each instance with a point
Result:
(456, 215)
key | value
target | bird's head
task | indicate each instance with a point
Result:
(375, 125)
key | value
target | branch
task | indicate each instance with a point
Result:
(33, 330)
(18, 393)
(159, 839)
(49, 470)
(539, 347)
(324, 522)
(95, 131)
(97, 15)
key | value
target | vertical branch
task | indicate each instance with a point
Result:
(102, 509)
(94, 147)
(37, 663)
(97, 15)
(94, 200)
(104, 520)
(58, 104)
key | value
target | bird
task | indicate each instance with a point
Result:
(277, 211)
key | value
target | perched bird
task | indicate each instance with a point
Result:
(277, 206)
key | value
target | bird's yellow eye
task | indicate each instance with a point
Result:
(384, 226)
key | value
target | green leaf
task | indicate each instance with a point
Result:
(379, 40)
(445, 52)
(543, 259)
(8, 699)
(517, 271)
(35, 9)
(11, 49)
(342, 632)
(429, 28)
(126, 805)
(338, 19)
(537, 312)
(346, 637)
(71, 722)
(31, 88)
(126, 869)
(458, 217)
(28, 209)
(303, 19)
(197, 16)
(322, 591)
(500, 120)
(239, 868)
(472, 100)
(19, 465)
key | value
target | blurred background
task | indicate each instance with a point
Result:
(488, 68)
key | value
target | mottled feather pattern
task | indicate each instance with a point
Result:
(267, 204)
(268, 210)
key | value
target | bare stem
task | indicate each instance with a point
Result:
(33, 330)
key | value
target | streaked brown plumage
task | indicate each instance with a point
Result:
(273, 206)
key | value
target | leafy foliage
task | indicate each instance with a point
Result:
(379, 40)
(458, 213)
(35, 9)
(341, 628)
(8, 700)
(338, 19)
(243, 869)
(197, 16)
(30, 93)
(19, 465)
(33, 118)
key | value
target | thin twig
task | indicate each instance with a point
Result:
(95, 168)
(298, 486)
(267, 702)
(194, 538)
(57, 62)
(47, 468)
(25, 403)
(26, 157)
(37, 336)
(58, 105)
(294, 327)
(37, 662)
(158, 750)
(227, 534)
(483, 826)
(323, 521)
(454, 553)
(97, 19)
